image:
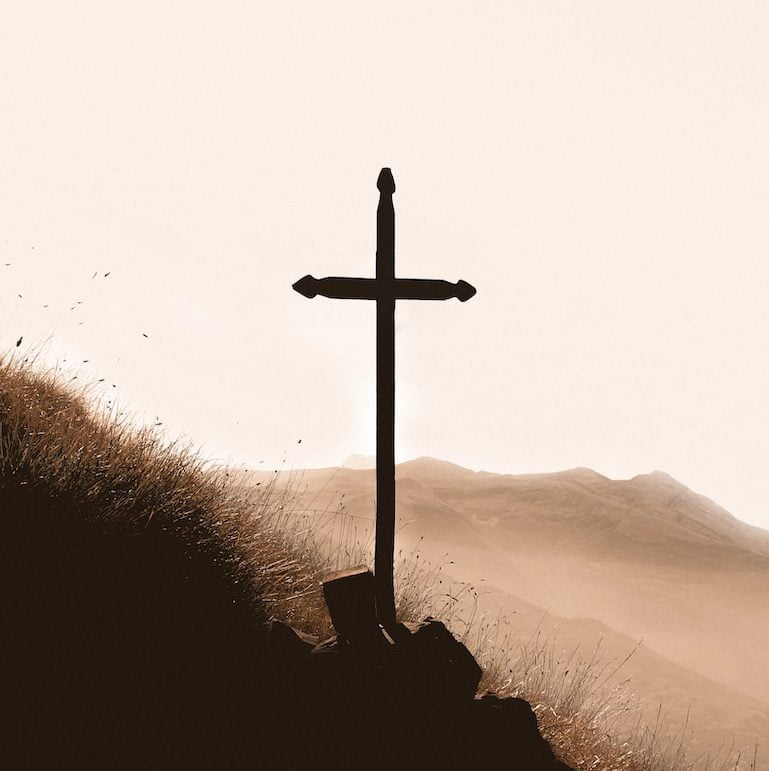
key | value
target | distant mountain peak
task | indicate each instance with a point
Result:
(660, 479)
(583, 472)
(427, 465)
(357, 461)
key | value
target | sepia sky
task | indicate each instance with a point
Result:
(598, 170)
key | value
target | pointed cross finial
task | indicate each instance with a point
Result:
(385, 182)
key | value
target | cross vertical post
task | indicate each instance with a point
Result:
(385, 402)
(385, 289)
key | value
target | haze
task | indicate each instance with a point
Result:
(597, 170)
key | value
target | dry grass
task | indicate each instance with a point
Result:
(125, 477)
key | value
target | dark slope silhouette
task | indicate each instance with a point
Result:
(128, 648)
(120, 648)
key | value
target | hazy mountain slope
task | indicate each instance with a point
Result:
(644, 558)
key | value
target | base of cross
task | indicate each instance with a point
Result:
(351, 600)
(375, 698)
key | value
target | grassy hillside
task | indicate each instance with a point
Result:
(134, 583)
(133, 587)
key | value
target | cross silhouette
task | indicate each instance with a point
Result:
(385, 289)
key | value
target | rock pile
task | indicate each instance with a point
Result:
(406, 698)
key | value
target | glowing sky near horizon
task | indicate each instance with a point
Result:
(597, 170)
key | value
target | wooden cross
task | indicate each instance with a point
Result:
(385, 289)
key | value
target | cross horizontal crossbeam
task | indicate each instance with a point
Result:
(346, 288)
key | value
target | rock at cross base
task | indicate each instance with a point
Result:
(289, 645)
(507, 728)
(350, 597)
(432, 657)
